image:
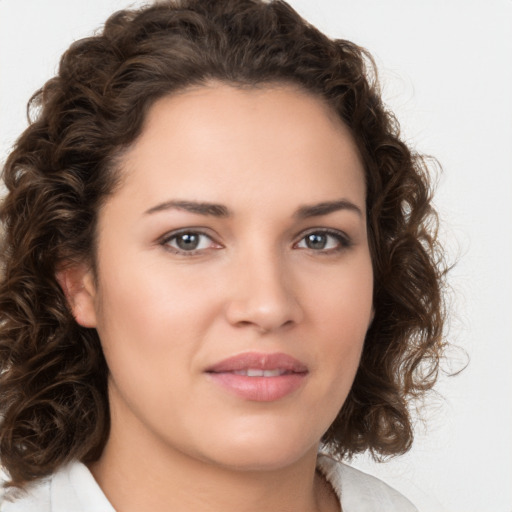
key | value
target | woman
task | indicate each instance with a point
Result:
(219, 258)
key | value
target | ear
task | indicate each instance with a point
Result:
(372, 316)
(77, 283)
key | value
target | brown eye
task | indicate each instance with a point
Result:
(188, 242)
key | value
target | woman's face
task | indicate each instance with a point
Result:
(234, 280)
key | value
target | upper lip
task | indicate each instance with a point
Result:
(259, 361)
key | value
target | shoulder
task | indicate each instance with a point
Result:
(71, 489)
(35, 498)
(360, 492)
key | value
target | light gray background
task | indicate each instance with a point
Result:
(446, 67)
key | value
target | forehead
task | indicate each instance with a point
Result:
(268, 141)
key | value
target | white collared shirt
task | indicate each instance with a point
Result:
(74, 489)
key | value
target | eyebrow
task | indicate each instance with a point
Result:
(201, 208)
(219, 210)
(317, 210)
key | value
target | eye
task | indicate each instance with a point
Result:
(324, 240)
(188, 242)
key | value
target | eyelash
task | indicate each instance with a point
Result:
(343, 241)
(168, 238)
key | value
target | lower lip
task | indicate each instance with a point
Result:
(259, 389)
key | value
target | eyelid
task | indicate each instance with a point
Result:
(345, 241)
(170, 235)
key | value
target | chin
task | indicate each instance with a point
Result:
(262, 453)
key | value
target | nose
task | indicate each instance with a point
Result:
(262, 295)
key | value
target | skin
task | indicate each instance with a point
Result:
(255, 282)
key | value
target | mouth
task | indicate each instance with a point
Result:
(254, 372)
(259, 377)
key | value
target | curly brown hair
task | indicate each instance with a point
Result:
(53, 376)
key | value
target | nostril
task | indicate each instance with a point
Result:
(265, 325)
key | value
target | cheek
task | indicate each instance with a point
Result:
(342, 308)
(146, 339)
(152, 322)
(343, 302)
(135, 295)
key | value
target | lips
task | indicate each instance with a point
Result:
(259, 377)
